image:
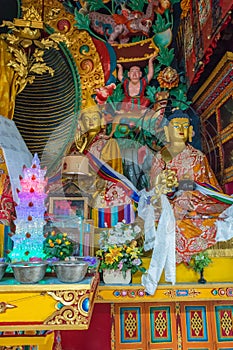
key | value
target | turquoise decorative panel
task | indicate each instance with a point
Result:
(130, 325)
(160, 324)
(196, 324)
(224, 323)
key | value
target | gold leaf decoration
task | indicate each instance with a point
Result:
(27, 47)
(38, 54)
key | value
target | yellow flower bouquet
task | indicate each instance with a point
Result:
(58, 245)
(121, 257)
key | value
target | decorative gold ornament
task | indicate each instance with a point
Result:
(185, 7)
(82, 46)
(196, 323)
(179, 334)
(192, 292)
(88, 64)
(161, 324)
(168, 78)
(27, 47)
(113, 315)
(70, 308)
(31, 19)
(164, 183)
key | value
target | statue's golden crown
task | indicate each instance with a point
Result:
(31, 18)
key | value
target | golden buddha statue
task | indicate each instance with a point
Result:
(108, 197)
(195, 213)
(185, 221)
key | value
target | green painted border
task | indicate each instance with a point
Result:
(19, 12)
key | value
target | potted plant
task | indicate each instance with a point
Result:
(58, 245)
(120, 256)
(198, 263)
(118, 262)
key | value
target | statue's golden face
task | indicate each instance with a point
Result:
(178, 129)
(91, 121)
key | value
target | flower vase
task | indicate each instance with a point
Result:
(116, 276)
(202, 280)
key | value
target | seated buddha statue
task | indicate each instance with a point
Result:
(179, 219)
(195, 212)
(110, 203)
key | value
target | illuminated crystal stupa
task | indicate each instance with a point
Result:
(28, 238)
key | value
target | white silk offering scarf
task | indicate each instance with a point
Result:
(161, 240)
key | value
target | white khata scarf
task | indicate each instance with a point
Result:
(161, 240)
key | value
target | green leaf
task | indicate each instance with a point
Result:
(181, 104)
(181, 99)
(95, 5)
(166, 56)
(142, 269)
(157, 68)
(69, 6)
(151, 92)
(179, 91)
(117, 95)
(160, 24)
(136, 39)
(82, 21)
(199, 261)
(137, 5)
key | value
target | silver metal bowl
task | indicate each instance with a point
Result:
(29, 271)
(3, 267)
(70, 271)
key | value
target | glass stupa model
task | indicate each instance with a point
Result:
(28, 238)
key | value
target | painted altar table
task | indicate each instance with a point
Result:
(47, 305)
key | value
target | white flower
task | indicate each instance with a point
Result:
(128, 232)
(137, 229)
(118, 225)
(119, 234)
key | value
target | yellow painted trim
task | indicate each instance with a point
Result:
(218, 275)
(14, 286)
(29, 307)
(43, 342)
(139, 44)
(164, 293)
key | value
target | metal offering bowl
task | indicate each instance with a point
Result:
(29, 271)
(70, 271)
(3, 267)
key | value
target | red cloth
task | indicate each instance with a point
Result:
(195, 213)
(135, 103)
(7, 204)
